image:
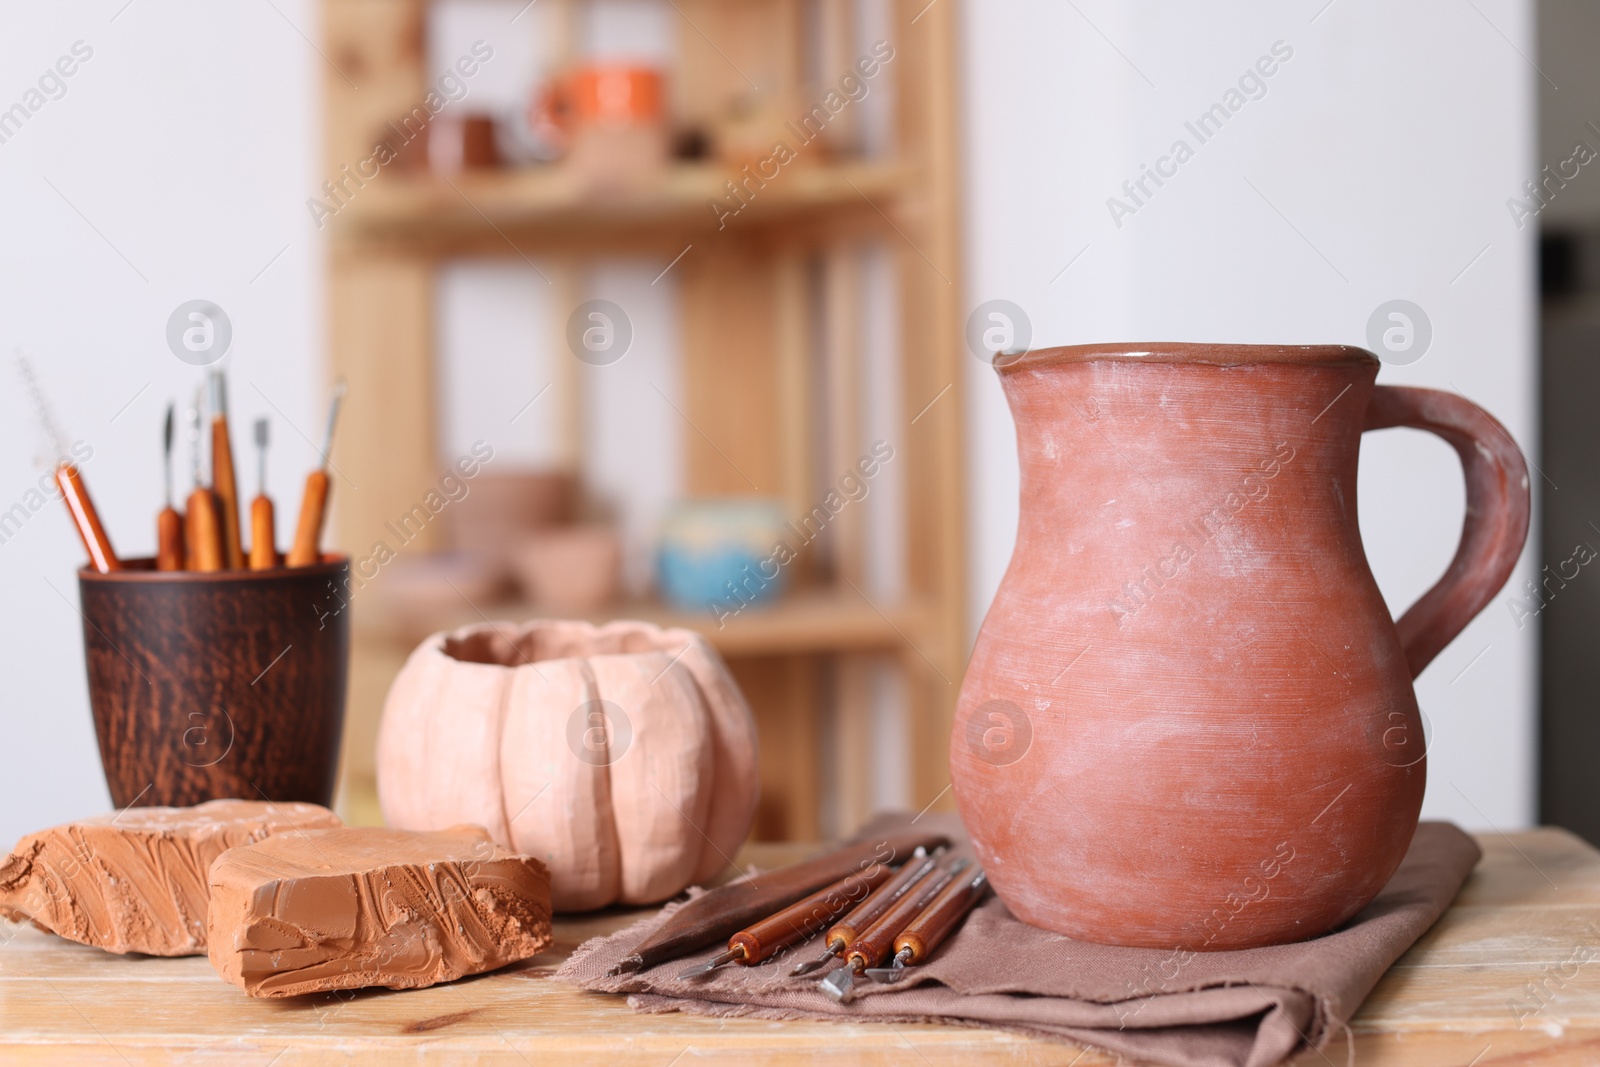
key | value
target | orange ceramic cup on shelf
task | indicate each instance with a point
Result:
(610, 118)
(617, 94)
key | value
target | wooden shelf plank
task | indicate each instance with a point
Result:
(420, 208)
(803, 622)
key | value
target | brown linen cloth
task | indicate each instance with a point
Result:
(1248, 1008)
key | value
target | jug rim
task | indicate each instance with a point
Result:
(1221, 355)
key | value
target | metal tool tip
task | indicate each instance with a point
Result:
(809, 966)
(217, 391)
(892, 973)
(713, 963)
(263, 431)
(838, 984)
(626, 965)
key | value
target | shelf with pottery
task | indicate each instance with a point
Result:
(766, 377)
(806, 621)
(552, 200)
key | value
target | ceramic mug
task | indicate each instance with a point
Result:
(1188, 721)
(219, 684)
(616, 94)
(610, 120)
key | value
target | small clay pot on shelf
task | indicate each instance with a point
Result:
(570, 569)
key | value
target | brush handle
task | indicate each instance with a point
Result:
(224, 484)
(874, 946)
(203, 532)
(263, 531)
(307, 548)
(169, 540)
(928, 930)
(804, 918)
(870, 910)
(719, 913)
(86, 519)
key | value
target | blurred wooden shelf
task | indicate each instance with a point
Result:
(830, 304)
(551, 202)
(802, 622)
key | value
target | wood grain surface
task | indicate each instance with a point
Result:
(1459, 997)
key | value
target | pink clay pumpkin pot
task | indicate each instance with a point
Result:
(1188, 722)
(623, 756)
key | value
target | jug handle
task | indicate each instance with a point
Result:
(1496, 523)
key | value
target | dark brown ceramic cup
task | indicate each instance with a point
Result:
(227, 684)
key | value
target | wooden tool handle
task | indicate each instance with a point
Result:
(169, 540)
(805, 917)
(928, 930)
(204, 532)
(227, 490)
(720, 913)
(874, 946)
(87, 520)
(308, 535)
(870, 910)
(263, 531)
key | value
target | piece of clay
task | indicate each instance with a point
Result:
(345, 908)
(135, 880)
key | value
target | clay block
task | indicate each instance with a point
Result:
(345, 908)
(135, 880)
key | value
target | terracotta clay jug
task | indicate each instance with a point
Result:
(1188, 722)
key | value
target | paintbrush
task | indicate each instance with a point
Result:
(67, 476)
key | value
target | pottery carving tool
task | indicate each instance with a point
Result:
(719, 913)
(928, 931)
(202, 528)
(263, 521)
(67, 476)
(758, 942)
(169, 524)
(307, 548)
(868, 911)
(224, 483)
(874, 946)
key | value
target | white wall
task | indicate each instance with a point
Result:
(1380, 158)
(180, 155)
(1391, 140)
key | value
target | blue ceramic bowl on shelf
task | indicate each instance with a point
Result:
(722, 554)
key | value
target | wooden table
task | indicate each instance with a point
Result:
(1520, 946)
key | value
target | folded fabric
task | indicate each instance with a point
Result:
(1248, 1008)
